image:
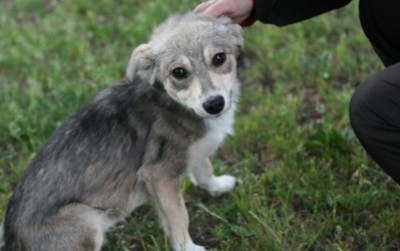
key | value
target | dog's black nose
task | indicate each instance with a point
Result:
(214, 105)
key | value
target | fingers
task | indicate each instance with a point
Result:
(237, 10)
(213, 7)
(218, 9)
(202, 7)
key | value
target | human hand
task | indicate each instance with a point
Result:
(237, 10)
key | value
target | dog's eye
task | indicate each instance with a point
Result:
(179, 73)
(218, 59)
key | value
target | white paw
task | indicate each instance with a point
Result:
(196, 248)
(221, 184)
(190, 246)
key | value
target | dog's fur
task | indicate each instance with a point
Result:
(135, 141)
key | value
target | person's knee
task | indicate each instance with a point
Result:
(375, 117)
(360, 109)
(376, 100)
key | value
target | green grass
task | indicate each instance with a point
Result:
(305, 183)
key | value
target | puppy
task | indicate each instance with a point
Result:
(134, 142)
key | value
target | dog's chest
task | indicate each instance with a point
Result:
(217, 129)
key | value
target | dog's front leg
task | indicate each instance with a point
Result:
(166, 193)
(204, 177)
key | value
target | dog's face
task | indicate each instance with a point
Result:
(194, 58)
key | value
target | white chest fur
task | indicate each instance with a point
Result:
(217, 129)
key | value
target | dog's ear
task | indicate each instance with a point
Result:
(237, 33)
(234, 29)
(142, 64)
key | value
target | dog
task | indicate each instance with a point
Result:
(134, 142)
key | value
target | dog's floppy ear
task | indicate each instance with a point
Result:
(142, 64)
(237, 33)
(234, 30)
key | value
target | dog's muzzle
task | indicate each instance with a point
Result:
(214, 105)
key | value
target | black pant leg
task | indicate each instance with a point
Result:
(381, 23)
(375, 118)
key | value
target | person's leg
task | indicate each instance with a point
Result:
(379, 20)
(375, 118)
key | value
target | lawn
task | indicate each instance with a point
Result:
(305, 183)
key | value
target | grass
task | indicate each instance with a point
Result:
(305, 182)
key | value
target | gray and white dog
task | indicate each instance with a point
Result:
(135, 141)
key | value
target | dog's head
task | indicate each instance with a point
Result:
(194, 58)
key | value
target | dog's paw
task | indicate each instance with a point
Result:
(221, 184)
(195, 247)
(190, 246)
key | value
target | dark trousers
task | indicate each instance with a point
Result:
(375, 105)
(375, 117)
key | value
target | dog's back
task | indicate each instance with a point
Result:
(93, 159)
